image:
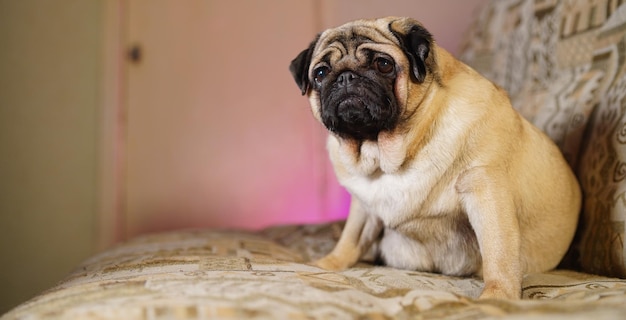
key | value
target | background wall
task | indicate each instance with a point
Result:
(49, 101)
(218, 134)
(445, 19)
(206, 130)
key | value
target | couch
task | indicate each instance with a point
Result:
(563, 63)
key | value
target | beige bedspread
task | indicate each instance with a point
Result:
(235, 275)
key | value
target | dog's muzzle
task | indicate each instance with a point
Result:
(356, 107)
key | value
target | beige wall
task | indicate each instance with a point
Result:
(49, 95)
(218, 134)
(447, 20)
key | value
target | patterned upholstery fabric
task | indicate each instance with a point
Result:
(564, 66)
(245, 275)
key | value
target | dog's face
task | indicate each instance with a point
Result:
(360, 76)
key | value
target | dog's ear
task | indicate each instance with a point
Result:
(416, 42)
(299, 67)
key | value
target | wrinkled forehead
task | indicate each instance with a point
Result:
(355, 41)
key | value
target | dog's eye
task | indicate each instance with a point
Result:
(383, 65)
(320, 73)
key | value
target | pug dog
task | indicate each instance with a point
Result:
(444, 175)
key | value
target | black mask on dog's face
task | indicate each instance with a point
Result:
(358, 103)
(357, 100)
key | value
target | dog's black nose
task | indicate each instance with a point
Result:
(345, 78)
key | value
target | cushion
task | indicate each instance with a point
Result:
(564, 66)
(239, 275)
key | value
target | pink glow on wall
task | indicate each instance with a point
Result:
(218, 134)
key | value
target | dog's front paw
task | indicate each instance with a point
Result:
(496, 290)
(332, 263)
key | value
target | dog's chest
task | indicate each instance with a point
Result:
(409, 194)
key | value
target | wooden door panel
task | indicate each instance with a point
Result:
(218, 134)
